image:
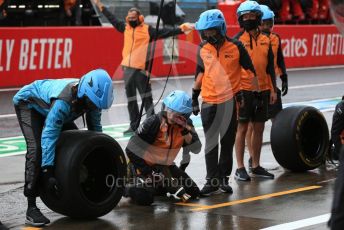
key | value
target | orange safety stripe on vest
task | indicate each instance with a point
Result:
(136, 41)
(222, 72)
(259, 57)
(166, 146)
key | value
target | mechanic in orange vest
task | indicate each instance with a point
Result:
(254, 96)
(157, 142)
(280, 70)
(136, 55)
(218, 78)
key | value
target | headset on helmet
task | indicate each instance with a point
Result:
(249, 7)
(141, 17)
(178, 101)
(97, 86)
(212, 19)
(267, 13)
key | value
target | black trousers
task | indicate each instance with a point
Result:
(135, 79)
(31, 123)
(176, 178)
(337, 217)
(219, 121)
(185, 180)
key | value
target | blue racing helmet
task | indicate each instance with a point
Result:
(212, 19)
(178, 101)
(267, 13)
(97, 86)
(249, 7)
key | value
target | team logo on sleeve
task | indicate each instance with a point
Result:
(228, 55)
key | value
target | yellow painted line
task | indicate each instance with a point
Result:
(189, 204)
(207, 207)
(31, 228)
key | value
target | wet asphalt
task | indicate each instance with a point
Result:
(258, 204)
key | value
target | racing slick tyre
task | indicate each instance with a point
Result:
(90, 169)
(299, 138)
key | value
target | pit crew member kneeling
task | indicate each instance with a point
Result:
(154, 147)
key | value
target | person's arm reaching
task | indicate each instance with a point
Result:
(118, 24)
(168, 32)
(93, 120)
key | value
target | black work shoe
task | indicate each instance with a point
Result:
(241, 174)
(35, 218)
(261, 172)
(211, 187)
(250, 164)
(128, 132)
(225, 187)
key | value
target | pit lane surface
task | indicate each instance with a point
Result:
(253, 205)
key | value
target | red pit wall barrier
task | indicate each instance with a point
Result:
(311, 46)
(308, 45)
(31, 53)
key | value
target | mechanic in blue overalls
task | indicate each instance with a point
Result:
(44, 108)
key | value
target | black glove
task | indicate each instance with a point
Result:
(239, 97)
(284, 78)
(49, 181)
(195, 104)
(183, 166)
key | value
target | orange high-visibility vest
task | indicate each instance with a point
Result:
(136, 41)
